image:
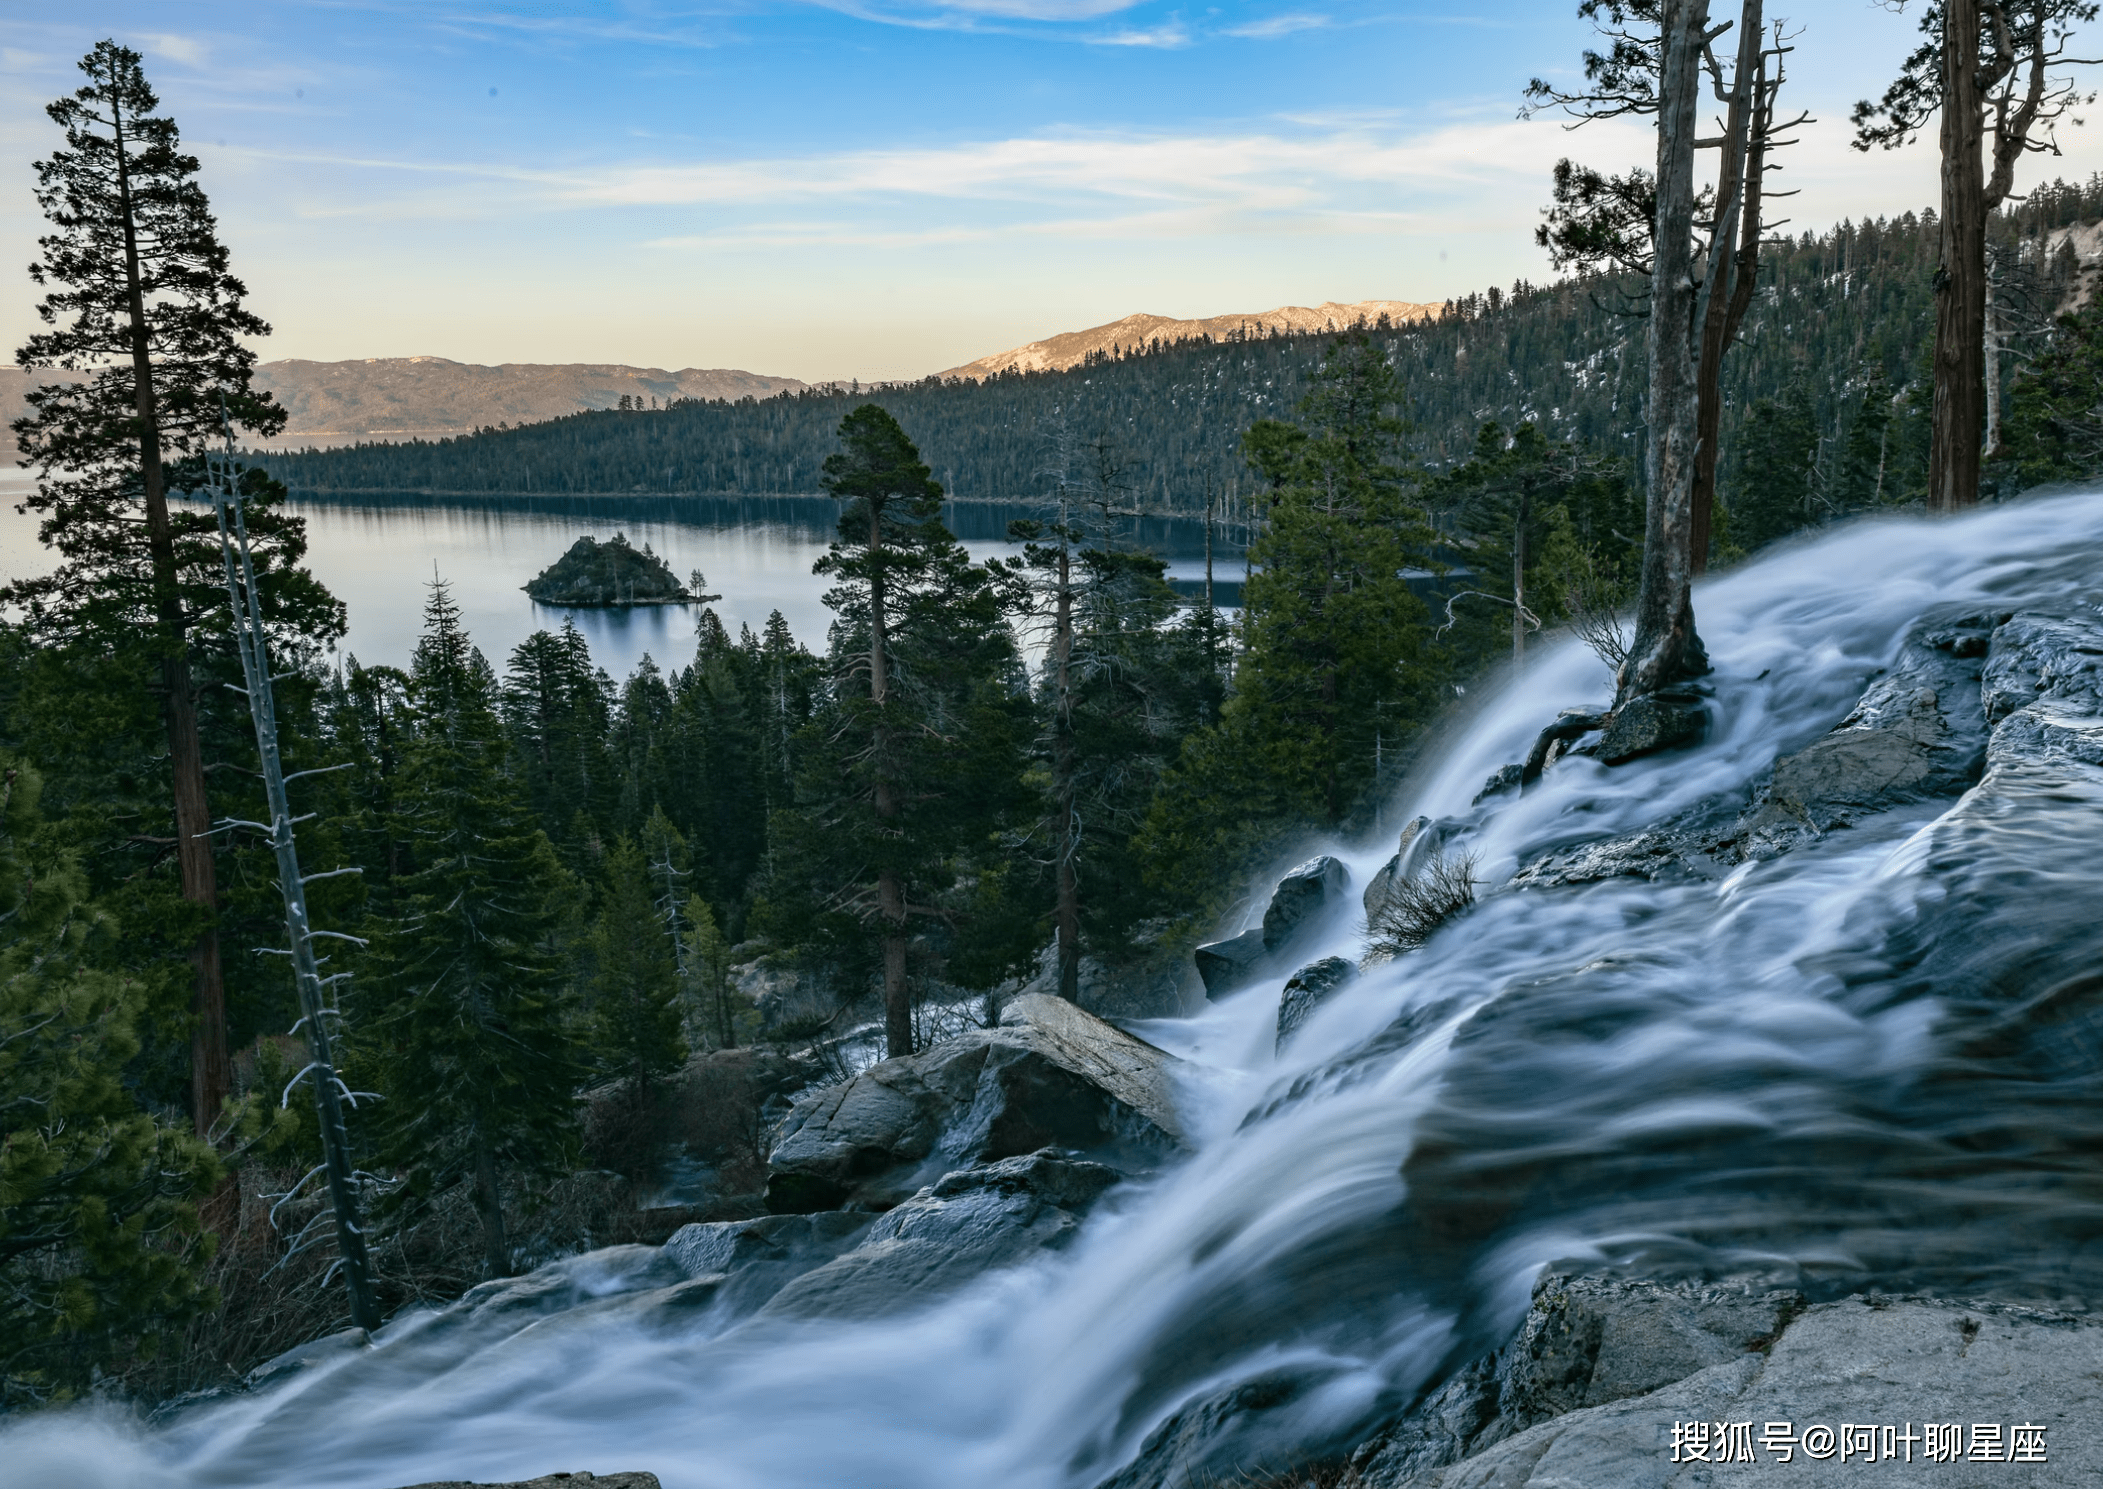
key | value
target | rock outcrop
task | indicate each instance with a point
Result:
(558, 1481)
(1920, 732)
(1589, 1389)
(1301, 902)
(1844, 1393)
(1309, 988)
(1050, 1076)
(964, 1224)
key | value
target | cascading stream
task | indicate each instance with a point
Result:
(1800, 1072)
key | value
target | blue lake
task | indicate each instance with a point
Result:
(381, 553)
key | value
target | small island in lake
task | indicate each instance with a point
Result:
(612, 573)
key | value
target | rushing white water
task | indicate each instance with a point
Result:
(1765, 1075)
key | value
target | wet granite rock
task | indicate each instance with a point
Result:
(1302, 900)
(1309, 988)
(967, 1223)
(1504, 781)
(1919, 731)
(1900, 1362)
(1050, 1075)
(1220, 1438)
(1585, 1342)
(1649, 724)
(557, 1481)
(1417, 836)
(746, 1262)
(1224, 966)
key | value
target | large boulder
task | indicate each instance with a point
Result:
(1417, 837)
(964, 1224)
(746, 1262)
(1919, 731)
(1051, 1075)
(1649, 724)
(1308, 989)
(1303, 899)
(1587, 1391)
(1585, 1342)
(1821, 1399)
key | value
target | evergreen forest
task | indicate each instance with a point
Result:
(578, 937)
(1825, 395)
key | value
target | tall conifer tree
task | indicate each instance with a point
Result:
(141, 302)
(460, 1015)
(920, 743)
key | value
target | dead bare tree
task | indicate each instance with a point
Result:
(1653, 65)
(1601, 222)
(1993, 69)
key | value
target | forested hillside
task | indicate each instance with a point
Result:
(1844, 320)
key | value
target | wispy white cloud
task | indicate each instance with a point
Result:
(190, 51)
(1171, 35)
(1274, 179)
(1280, 25)
(978, 15)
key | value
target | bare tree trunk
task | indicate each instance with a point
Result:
(1993, 372)
(1960, 292)
(1733, 197)
(1068, 845)
(890, 891)
(211, 1072)
(1666, 649)
(1519, 586)
(489, 1208)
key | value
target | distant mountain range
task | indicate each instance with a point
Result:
(407, 398)
(403, 398)
(1071, 348)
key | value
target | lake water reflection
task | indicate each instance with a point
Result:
(380, 554)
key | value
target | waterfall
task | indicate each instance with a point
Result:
(1778, 1073)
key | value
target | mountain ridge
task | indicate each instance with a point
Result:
(1071, 348)
(425, 397)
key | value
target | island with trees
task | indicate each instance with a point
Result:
(612, 573)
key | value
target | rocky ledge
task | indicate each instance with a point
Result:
(558, 1481)
(1616, 1384)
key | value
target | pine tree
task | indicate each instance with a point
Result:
(559, 707)
(1336, 662)
(1777, 456)
(460, 1018)
(142, 302)
(99, 1244)
(635, 976)
(710, 997)
(918, 747)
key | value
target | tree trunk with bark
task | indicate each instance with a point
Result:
(1666, 648)
(1064, 767)
(211, 1071)
(1732, 265)
(489, 1209)
(890, 889)
(1960, 278)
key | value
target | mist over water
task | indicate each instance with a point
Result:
(1800, 1073)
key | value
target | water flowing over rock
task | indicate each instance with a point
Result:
(1871, 1373)
(1760, 1084)
(966, 1223)
(557, 1481)
(1308, 988)
(1050, 1075)
(1298, 907)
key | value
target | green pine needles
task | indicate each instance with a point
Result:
(459, 1012)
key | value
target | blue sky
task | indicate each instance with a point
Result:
(868, 188)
